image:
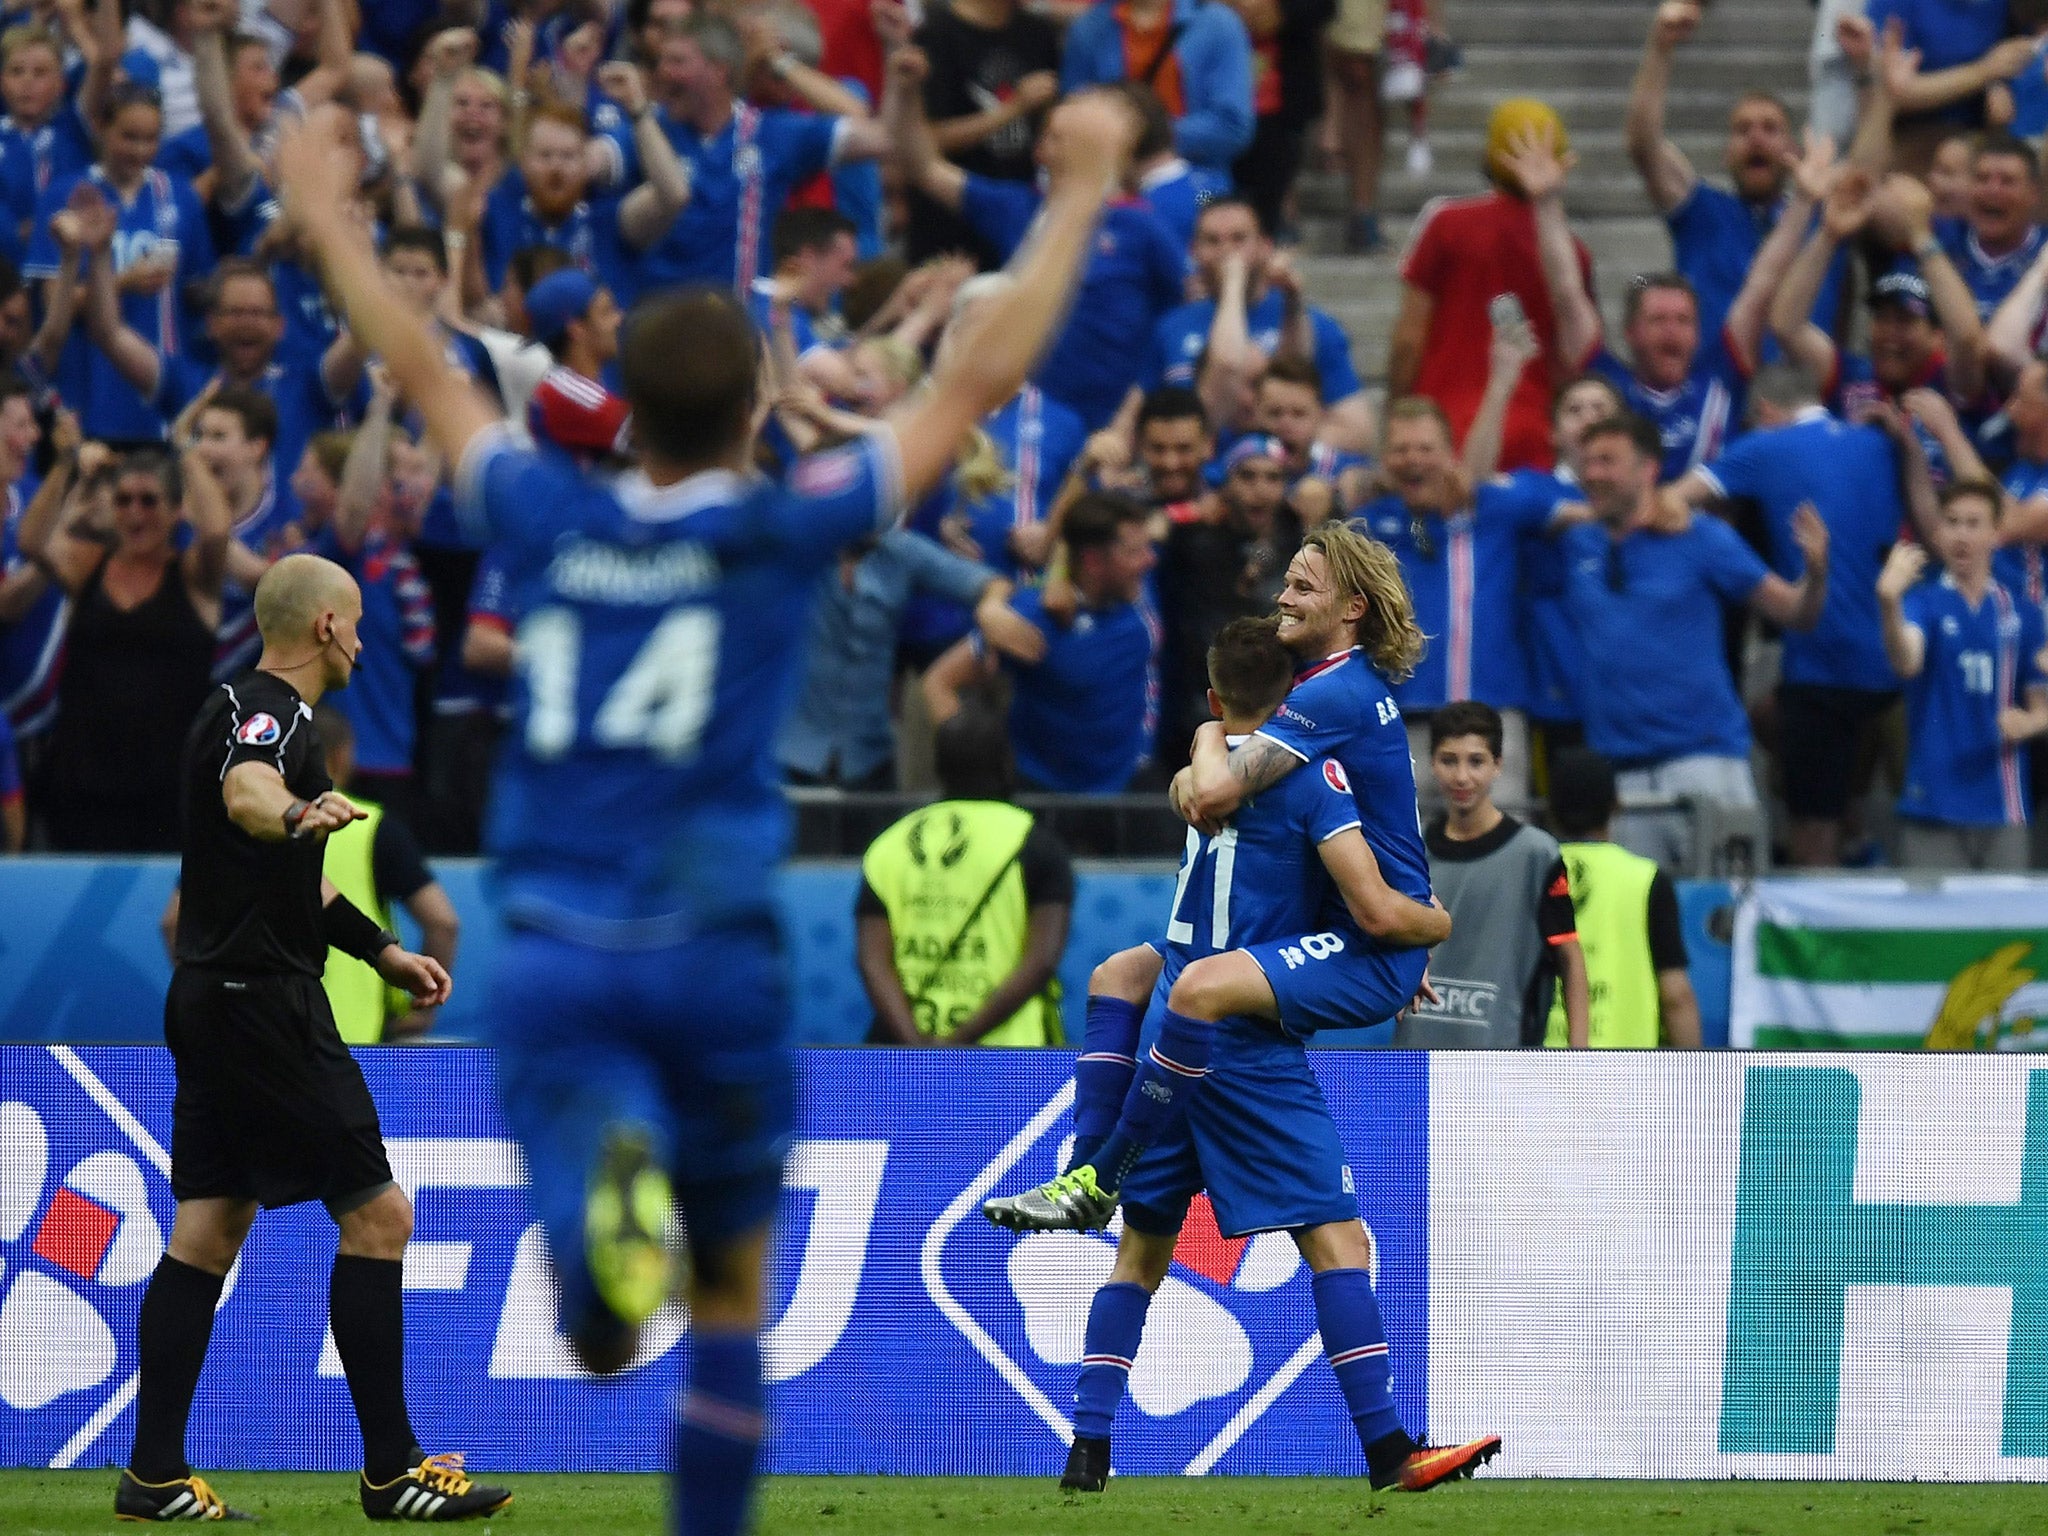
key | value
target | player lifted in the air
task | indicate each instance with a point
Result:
(1291, 869)
(1346, 619)
(640, 1007)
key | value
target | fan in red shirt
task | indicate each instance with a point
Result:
(1464, 252)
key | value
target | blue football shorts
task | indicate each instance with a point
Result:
(690, 1040)
(1338, 979)
(1258, 1136)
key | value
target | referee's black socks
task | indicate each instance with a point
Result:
(171, 1335)
(366, 1308)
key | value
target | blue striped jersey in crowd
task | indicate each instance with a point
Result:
(1977, 661)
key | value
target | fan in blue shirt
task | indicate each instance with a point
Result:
(2022, 563)
(1464, 569)
(44, 136)
(1801, 456)
(1648, 605)
(1134, 270)
(1716, 232)
(32, 637)
(1037, 439)
(1557, 661)
(246, 330)
(160, 243)
(1691, 393)
(1970, 651)
(744, 162)
(1946, 33)
(1082, 717)
(547, 199)
(1227, 227)
(1995, 243)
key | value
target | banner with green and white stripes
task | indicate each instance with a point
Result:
(1883, 964)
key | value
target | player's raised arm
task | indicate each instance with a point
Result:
(1087, 142)
(1375, 906)
(317, 171)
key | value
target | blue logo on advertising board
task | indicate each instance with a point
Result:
(893, 1323)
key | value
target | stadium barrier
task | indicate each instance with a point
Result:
(82, 957)
(1696, 1265)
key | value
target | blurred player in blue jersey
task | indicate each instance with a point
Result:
(641, 1006)
(1258, 1135)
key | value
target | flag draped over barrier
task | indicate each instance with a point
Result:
(1882, 964)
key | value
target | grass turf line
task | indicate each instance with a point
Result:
(310, 1504)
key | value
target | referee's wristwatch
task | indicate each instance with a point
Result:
(294, 816)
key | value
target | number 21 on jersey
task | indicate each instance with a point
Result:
(1222, 849)
(658, 704)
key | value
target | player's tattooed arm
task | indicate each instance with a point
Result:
(1220, 778)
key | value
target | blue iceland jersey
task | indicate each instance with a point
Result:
(1715, 236)
(1978, 661)
(164, 216)
(1556, 655)
(1038, 439)
(1990, 279)
(1133, 278)
(636, 801)
(1694, 420)
(1465, 574)
(1342, 708)
(1177, 192)
(2024, 567)
(1648, 608)
(1181, 336)
(740, 178)
(1261, 878)
(588, 234)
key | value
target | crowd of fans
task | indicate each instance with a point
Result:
(1842, 355)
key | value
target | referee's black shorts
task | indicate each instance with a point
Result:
(270, 1105)
(1824, 737)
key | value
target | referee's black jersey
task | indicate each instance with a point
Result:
(247, 905)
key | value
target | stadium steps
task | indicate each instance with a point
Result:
(1579, 57)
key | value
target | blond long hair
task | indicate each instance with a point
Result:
(1364, 567)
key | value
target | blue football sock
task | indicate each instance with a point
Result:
(1102, 1072)
(1116, 1321)
(1348, 1314)
(718, 1434)
(1158, 1100)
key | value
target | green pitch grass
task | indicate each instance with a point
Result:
(59, 1503)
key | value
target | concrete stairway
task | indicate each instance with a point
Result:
(1579, 55)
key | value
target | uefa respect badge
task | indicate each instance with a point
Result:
(85, 1201)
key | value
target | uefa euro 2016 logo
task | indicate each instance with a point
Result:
(84, 1204)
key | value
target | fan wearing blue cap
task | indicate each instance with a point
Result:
(1924, 327)
(575, 317)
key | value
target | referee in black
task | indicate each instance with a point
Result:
(271, 1109)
